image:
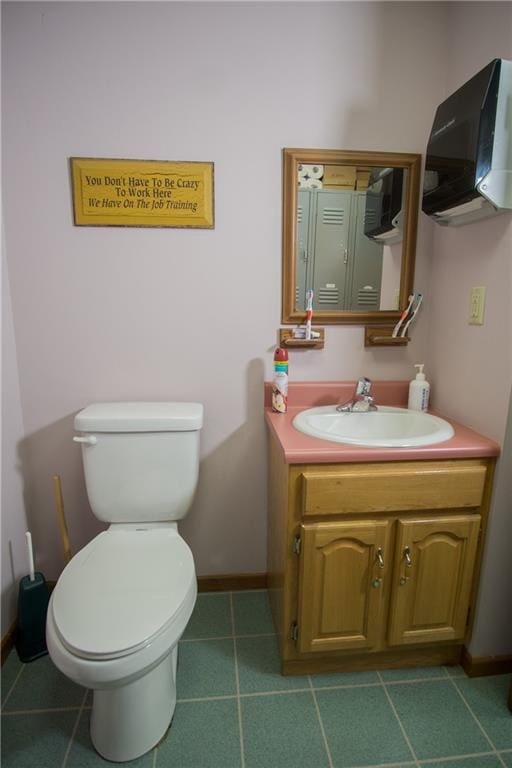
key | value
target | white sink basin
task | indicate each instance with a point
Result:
(386, 427)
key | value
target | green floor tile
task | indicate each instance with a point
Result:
(344, 678)
(361, 728)
(42, 686)
(36, 741)
(252, 613)
(482, 761)
(211, 617)
(487, 697)
(282, 731)
(455, 671)
(259, 668)
(436, 720)
(203, 734)
(412, 673)
(206, 668)
(10, 671)
(83, 754)
(507, 758)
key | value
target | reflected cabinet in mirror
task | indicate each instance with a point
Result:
(349, 234)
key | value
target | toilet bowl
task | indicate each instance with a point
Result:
(135, 588)
(122, 603)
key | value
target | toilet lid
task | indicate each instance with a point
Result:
(122, 589)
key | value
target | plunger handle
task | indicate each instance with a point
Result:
(59, 503)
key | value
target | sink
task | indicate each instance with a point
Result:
(387, 427)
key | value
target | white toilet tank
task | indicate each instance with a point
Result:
(141, 460)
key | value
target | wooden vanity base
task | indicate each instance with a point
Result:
(426, 657)
(375, 565)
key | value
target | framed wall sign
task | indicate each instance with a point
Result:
(142, 193)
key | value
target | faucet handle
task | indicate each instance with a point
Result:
(363, 386)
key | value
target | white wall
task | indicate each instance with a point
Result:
(471, 366)
(109, 313)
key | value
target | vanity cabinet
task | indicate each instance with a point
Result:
(374, 564)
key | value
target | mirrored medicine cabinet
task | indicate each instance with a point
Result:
(349, 234)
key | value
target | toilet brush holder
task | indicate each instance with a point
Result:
(32, 608)
(33, 601)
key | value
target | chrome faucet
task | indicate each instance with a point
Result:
(362, 401)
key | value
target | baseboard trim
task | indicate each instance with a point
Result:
(8, 640)
(231, 581)
(478, 666)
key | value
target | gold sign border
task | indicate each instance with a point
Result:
(76, 166)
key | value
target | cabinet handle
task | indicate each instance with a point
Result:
(380, 557)
(345, 256)
(407, 555)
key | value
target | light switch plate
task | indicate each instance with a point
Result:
(477, 305)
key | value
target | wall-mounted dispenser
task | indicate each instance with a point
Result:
(468, 169)
(384, 206)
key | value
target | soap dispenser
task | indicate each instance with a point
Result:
(419, 391)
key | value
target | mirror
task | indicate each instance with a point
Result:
(349, 234)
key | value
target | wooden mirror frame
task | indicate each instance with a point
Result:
(292, 158)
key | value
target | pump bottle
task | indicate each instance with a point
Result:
(419, 391)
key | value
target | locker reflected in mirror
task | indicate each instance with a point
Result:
(349, 240)
(349, 233)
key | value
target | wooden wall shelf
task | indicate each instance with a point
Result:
(286, 339)
(380, 336)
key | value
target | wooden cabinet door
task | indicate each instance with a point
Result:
(432, 578)
(343, 572)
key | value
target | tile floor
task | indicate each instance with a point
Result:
(236, 711)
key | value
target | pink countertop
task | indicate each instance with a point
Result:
(299, 448)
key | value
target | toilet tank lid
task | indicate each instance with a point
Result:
(140, 417)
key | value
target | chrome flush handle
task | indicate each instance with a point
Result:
(87, 440)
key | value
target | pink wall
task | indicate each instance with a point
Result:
(472, 365)
(104, 314)
(14, 522)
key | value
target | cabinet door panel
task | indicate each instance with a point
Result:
(303, 247)
(366, 264)
(342, 585)
(332, 232)
(432, 579)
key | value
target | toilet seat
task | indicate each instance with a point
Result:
(122, 591)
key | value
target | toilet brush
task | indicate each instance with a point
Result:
(32, 608)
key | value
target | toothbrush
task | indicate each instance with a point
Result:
(406, 326)
(403, 316)
(309, 313)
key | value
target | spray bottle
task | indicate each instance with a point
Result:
(280, 381)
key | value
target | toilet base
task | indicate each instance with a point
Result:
(129, 720)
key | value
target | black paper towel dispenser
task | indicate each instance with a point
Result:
(383, 221)
(468, 169)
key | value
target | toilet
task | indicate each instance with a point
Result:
(122, 603)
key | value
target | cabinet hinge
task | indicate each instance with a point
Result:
(297, 543)
(294, 631)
